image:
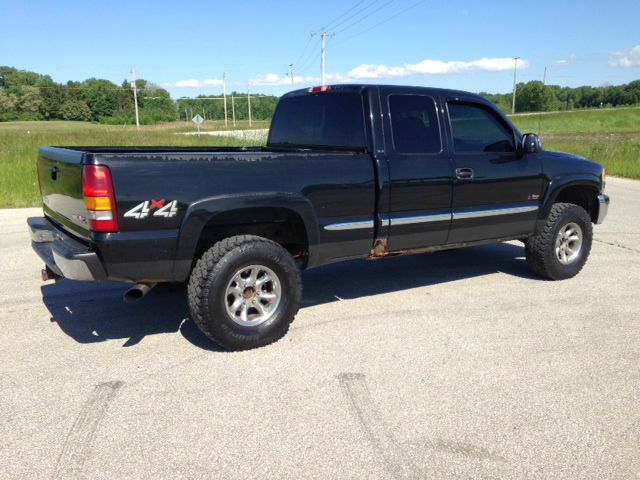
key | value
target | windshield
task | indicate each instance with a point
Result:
(325, 120)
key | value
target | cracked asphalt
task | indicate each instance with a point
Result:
(458, 364)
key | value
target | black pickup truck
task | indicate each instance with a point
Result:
(348, 171)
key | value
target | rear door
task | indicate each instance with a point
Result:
(420, 171)
(496, 193)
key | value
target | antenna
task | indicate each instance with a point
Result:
(513, 97)
(544, 80)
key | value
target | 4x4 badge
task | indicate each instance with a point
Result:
(162, 209)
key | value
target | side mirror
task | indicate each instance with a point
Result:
(531, 143)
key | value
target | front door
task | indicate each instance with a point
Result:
(496, 192)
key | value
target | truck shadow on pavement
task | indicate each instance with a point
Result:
(95, 312)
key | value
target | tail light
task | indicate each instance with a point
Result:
(603, 177)
(97, 189)
(323, 89)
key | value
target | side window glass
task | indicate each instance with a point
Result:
(476, 129)
(414, 124)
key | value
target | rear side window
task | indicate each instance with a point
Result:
(325, 119)
(414, 124)
(477, 129)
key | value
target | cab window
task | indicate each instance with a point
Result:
(414, 124)
(477, 129)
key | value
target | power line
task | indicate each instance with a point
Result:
(362, 10)
(315, 53)
(326, 26)
(388, 19)
(305, 61)
(365, 17)
(303, 50)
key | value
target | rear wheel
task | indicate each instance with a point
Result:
(244, 292)
(561, 249)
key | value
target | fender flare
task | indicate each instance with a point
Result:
(557, 185)
(200, 213)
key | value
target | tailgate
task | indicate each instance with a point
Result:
(60, 178)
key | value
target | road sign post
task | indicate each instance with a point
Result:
(198, 120)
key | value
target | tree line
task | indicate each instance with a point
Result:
(212, 107)
(26, 95)
(535, 96)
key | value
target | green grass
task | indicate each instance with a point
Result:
(19, 143)
(610, 137)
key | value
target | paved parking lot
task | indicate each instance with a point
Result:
(450, 365)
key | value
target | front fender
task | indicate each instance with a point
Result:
(557, 185)
(201, 212)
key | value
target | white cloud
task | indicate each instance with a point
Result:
(275, 80)
(192, 83)
(435, 67)
(370, 72)
(628, 58)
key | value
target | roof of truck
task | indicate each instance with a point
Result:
(398, 88)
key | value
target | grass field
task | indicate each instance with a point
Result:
(610, 137)
(19, 142)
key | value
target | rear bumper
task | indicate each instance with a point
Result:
(603, 207)
(64, 255)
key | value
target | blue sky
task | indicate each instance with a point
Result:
(186, 46)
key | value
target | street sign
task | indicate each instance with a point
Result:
(198, 120)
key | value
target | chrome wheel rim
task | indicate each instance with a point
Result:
(568, 243)
(253, 295)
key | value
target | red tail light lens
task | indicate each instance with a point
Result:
(323, 89)
(97, 189)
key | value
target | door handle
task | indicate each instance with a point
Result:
(464, 173)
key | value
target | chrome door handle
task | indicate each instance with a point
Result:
(464, 173)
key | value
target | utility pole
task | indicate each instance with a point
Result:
(135, 96)
(233, 110)
(513, 97)
(323, 36)
(224, 96)
(291, 73)
(249, 104)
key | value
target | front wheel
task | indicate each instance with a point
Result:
(561, 248)
(244, 292)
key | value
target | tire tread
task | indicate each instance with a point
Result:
(199, 292)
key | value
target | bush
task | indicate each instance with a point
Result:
(75, 110)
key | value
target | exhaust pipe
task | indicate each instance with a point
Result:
(138, 291)
(48, 274)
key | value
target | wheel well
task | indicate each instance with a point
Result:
(582, 195)
(280, 225)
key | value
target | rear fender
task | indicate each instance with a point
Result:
(200, 213)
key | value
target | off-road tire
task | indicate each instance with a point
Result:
(211, 276)
(540, 249)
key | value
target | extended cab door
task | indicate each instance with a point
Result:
(496, 192)
(420, 171)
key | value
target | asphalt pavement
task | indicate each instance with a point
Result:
(459, 364)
